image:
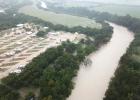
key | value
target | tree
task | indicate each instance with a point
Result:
(30, 96)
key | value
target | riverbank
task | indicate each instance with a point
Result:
(125, 85)
(93, 81)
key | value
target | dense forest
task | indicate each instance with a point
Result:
(125, 85)
(51, 72)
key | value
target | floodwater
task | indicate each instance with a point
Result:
(92, 82)
(43, 5)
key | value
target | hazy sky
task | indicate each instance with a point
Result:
(131, 2)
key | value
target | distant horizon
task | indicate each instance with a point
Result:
(126, 2)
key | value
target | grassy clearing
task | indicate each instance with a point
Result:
(119, 9)
(55, 18)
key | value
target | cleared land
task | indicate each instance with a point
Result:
(31, 46)
(55, 18)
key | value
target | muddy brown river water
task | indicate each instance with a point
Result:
(92, 82)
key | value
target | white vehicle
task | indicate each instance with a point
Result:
(16, 71)
(19, 43)
(41, 38)
(46, 27)
(12, 53)
(33, 35)
(54, 33)
(20, 25)
(76, 33)
(18, 50)
(29, 33)
(20, 66)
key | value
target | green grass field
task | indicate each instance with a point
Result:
(63, 19)
(119, 9)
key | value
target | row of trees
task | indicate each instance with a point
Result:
(126, 83)
(8, 21)
(128, 21)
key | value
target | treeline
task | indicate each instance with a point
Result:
(130, 22)
(7, 21)
(51, 72)
(126, 83)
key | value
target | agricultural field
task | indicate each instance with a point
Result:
(55, 18)
(119, 9)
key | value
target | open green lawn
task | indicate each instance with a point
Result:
(119, 9)
(63, 19)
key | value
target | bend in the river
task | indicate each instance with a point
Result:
(92, 82)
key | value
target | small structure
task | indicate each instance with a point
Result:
(76, 33)
(54, 33)
(33, 35)
(46, 27)
(20, 25)
(19, 43)
(16, 71)
(29, 33)
(17, 50)
(12, 53)
(20, 66)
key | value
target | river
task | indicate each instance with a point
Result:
(92, 82)
(43, 5)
